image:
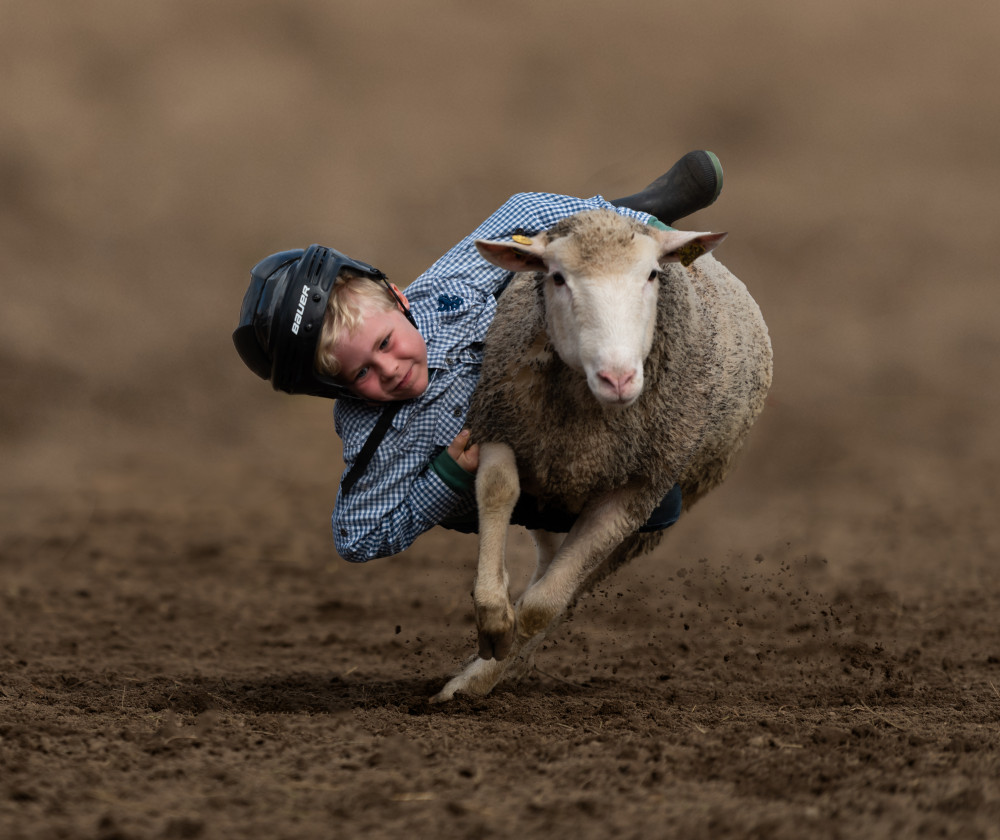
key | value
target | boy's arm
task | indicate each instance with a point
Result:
(381, 517)
(402, 493)
(535, 212)
(527, 212)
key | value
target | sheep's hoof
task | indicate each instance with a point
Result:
(496, 630)
(476, 679)
(496, 645)
(443, 696)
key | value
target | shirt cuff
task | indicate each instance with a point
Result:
(452, 474)
(656, 223)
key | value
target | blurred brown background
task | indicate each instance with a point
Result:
(164, 539)
(151, 153)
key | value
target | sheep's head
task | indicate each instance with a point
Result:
(601, 274)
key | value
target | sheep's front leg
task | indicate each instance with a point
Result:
(480, 675)
(497, 490)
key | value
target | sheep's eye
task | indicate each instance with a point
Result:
(558, 279)
(653, 275)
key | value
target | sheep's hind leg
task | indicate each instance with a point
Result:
(546, 547)
(596, 533)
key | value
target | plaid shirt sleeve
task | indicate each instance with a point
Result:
(528, 213)
(400, 496)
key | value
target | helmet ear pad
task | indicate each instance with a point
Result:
(282, 317)
(252, 354)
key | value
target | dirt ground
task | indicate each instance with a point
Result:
(813, 651)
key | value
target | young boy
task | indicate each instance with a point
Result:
(403, 366)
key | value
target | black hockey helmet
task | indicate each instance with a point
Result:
(282, 317)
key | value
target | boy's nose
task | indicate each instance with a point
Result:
(387, 368)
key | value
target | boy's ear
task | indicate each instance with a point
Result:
(400, 295)
(686, 246)
(523, 254)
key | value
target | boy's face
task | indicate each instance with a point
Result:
(386, 359)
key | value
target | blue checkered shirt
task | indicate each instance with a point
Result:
(400, 496)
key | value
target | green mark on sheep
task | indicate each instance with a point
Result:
(689, 253)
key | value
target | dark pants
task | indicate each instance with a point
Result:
(526, 513)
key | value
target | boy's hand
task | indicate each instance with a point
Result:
(466, 456)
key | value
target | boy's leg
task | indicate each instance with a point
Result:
(527, 515)
(666, 513)
(691, 184)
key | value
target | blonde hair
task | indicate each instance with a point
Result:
(352, 298)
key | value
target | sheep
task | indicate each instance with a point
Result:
(615, 367)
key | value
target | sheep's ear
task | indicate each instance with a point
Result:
(686, 246)
(524, 254)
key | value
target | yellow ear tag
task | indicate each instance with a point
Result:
(521, 240)
(689, 253)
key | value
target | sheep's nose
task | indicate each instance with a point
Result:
(618, 381)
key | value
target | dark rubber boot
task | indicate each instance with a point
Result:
(691, 184)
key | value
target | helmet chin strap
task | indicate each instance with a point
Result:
(371, 444)
(399, 300)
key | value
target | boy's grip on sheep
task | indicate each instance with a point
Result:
(615, 368)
